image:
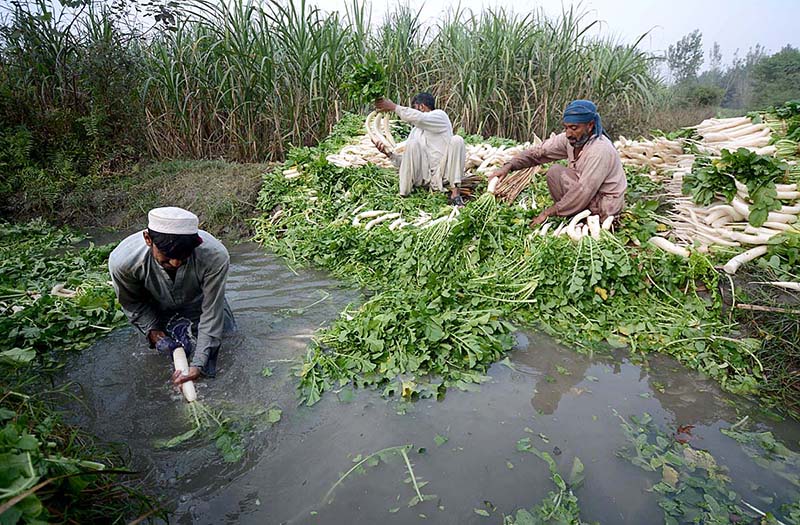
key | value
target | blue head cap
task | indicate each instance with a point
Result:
(581, 112)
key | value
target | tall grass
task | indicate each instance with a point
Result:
(246, 79)
(243, 80)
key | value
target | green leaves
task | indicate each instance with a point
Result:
(367, 81)
(712, 177)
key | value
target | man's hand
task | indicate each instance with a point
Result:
(154, 336)
(539, 219)
(384, 104)
(166, 345)
(178, 377)
(500, 172)
(382, 148)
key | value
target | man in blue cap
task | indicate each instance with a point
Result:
(593, 178)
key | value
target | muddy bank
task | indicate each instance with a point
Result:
(464, 446)
(222, 194)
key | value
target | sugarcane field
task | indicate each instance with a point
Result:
(333, 262)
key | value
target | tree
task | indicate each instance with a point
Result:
(685, 57)
(776, 79)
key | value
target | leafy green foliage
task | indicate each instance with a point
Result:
(760, 173)
(39, 329)
(768, 453)
(34, 257)
(693, 487)
(556, 508)
(367, 81)
(441, 296)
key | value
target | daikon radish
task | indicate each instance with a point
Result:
(669, 247)
(493, 185)
(783, 284)
(594, 226)
(578, 218)
(734, 264)
(397, 223)
(544, 228)
(370, 213)
(743, 209)
(761, 238)
(607, 223)
(560, 229)
(180, 363)
(380, 219)
(777, 226)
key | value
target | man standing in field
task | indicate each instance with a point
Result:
(171, 278)
(593, 178)
(433, 156)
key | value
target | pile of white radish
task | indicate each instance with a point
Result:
(574, 229)
(734, 133)
(715, 135)
(371, 218)
(694, 227)
(481, 158)
(659, 153)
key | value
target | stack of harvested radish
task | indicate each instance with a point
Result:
(371, 218)
(732, 134)
(660, 152)
(481, 158)
(695, 227)
(574, 229)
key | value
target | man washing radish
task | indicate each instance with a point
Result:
(593, 178)
(170, 280)
(433, 155)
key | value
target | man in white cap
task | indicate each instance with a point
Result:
(172, 270)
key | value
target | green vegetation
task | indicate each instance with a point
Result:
(442, 294)
(367, 82)
(558, 507)
(50, 471)
(693, 487)
(84, 95)
(759, 173)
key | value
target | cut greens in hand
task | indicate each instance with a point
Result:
(367, 81)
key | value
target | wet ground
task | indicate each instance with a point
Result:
(563, 401)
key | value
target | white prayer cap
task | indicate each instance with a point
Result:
(170, 219)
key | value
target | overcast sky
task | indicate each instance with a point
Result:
(735, 24)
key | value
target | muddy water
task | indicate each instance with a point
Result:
(563, 401)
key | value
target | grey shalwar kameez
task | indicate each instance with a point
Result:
(594, 180)
(433, 154)
(150, 297)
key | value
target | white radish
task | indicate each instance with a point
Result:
(784, 284)
(560, 229)
(593, 222)
(669, 247)
(180, 363)
(744, 238)
(380, 219)
(370, 214)
(578, 218)
(492, 185)
(544, 228)
(608, 222)
(734, 264)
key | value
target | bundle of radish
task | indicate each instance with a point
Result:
(660, 153)
(732, 134)
(575, 230)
